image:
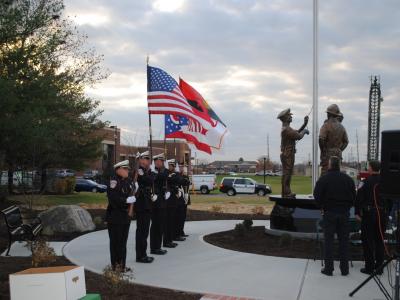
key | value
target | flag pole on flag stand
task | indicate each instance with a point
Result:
(150, 130)
(315, 166)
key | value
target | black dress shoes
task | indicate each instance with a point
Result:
(179, 239)
(158, 252)
(170, 245)
(185, 235)
(326, 272)
(145, 260)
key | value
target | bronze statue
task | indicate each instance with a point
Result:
(332, 137)
(289, 136)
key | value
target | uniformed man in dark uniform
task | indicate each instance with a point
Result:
(120, 195)
(173, 182)
(370, 208)
(143, 205)
(335, 192)
(333, 138)
(158, 216)
(184, 184)
(289, 137)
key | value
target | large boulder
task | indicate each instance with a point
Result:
(66, 218)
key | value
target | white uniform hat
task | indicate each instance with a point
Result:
(171, 162)
(159, 156)
(143, 155)
(122, 164)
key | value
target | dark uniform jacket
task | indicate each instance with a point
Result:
(185, 183)
(145, 180)
(173, 181)
(160, 188)
(117, 191)
(365, 196)
(335, 191)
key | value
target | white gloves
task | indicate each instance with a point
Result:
(186, 197)
(154, 198)
(153, 168)
(179, 193)
(131, 199)
(167, 195)
(140, 172)
(136, 186)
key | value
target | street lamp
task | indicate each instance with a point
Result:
(264, 168)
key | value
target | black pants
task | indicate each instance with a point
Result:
(179, 220)
(158, 217)
(371, 238)
(338, 223)
(170, 225)
(118, 234)
(184, 220)
(142, 232)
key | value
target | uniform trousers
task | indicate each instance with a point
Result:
(170, 225)
(158, 218)
(118, 234)
(142, 232)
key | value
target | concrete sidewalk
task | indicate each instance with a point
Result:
(197, 266)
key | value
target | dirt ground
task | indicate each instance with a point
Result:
(258, 242)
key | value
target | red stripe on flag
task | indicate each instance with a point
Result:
(191, 139)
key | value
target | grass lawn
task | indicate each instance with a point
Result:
(239, 203)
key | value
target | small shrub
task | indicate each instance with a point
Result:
(248, 223)
(42, 254)
(240, 230)
(98, 221)
(258, 210)
(216, 208)
(285, 240)
(117, 280)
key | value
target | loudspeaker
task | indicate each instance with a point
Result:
(390, 164)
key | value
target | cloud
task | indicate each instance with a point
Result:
(250, 59)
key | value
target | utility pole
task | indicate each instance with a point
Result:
(268, 147)
(264, 168)
(358, 153)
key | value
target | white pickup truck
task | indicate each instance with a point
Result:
(203, 183)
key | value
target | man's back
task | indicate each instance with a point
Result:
(335, 191)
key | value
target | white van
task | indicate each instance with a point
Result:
(203, 183)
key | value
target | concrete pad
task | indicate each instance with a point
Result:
(197, 266)
(21, 249)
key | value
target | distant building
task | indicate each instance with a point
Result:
(232, 166)
(113, 151)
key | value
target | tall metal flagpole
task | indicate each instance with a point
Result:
(150, 131)
(315, 165)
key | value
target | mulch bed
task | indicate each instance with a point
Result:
(258, 242)
(95, 283)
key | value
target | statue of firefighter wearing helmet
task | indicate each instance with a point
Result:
(332, 137)
(289, 136)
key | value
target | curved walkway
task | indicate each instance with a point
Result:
(197, 266)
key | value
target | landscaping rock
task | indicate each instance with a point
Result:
(67, 218)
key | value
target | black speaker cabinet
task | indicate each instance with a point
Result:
(390, 164)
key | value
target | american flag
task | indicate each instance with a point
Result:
(164, 95)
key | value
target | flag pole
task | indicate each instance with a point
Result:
(315, 165)
(165, 141)
(150, 130)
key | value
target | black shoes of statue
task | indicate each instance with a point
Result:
(179, 239)
(345, 272)
(185, 235)
(365, 271)
(326, 272)
(158, 251)
(145, 260)
(170, 245)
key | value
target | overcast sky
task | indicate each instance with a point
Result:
(250, 60)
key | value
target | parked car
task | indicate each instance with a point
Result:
(279, 173)
(203, 183)
(65, 173)
(232, 174)
(239, 185)
(90, 174)
(267, 173)
(87, 185)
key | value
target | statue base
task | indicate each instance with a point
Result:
(298, 214)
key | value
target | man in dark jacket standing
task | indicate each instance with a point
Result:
(372, 211)
(143, 205)
(120, 195)
(335, 192)
(158, 215)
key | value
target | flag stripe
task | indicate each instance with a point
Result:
(191, 139)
